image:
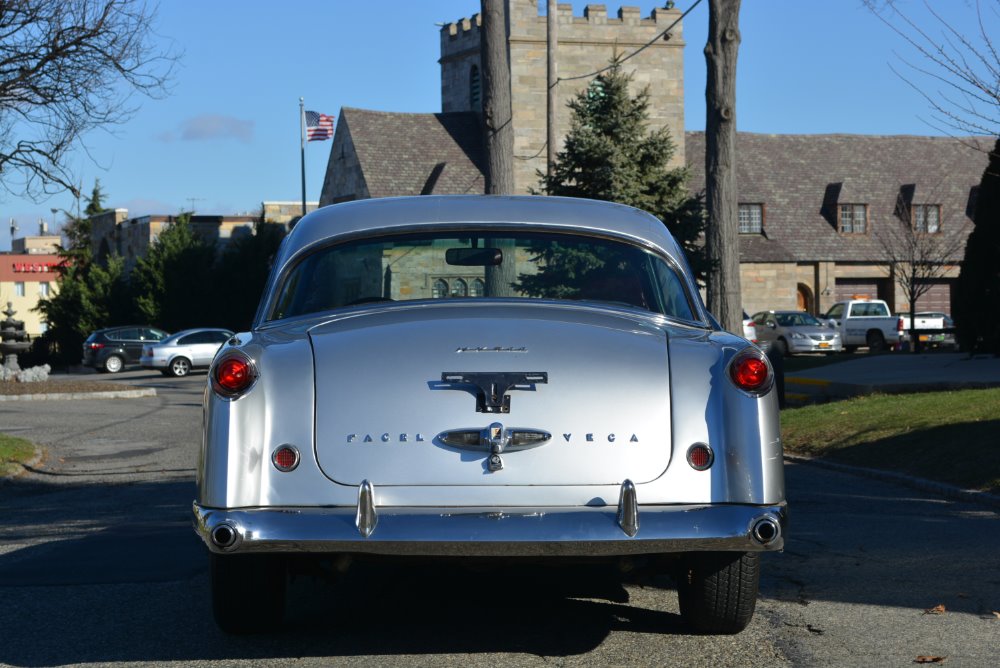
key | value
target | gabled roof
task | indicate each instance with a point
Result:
(417, 154)
(800, 180)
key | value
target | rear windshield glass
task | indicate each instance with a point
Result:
(522, 266)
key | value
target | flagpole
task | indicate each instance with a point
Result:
(302, 144)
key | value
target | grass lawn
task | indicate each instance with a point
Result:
(12, 451)
(950, 437)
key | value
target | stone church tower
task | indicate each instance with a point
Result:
(586, 44)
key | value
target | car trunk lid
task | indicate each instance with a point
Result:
(398, 398)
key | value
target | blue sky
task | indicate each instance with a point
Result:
(227, 137)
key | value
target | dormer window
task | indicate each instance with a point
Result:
(751, 218)
(853, 218)
(927, 218)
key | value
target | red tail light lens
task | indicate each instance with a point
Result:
(700, 457)
(285, 458)
(233, 375)
(96, 346)
(750, 372)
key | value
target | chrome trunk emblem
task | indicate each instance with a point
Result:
(496, 440)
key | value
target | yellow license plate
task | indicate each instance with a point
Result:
(824, 345)
(924, 337)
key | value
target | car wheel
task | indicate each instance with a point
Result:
(717, 591)
(875, 341)
(113, 364)
(180, 366)
(248, 592)
(782, 347)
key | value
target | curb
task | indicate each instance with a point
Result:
(57, 396)
(942, 489)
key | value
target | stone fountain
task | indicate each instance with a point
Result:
(13, 339)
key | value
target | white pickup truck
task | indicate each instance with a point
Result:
(934, 329)
(865, 322)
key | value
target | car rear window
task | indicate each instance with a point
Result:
(481, 265)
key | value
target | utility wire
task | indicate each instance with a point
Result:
(637, 51)
(642, 48)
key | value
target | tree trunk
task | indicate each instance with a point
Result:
(552, 77)
(722, 232)
(499, 131)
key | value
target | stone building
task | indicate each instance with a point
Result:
(814, 211)
(378, 154)
(586, 44)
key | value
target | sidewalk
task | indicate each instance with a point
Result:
(892, 374)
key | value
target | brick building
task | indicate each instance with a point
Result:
(26, 278)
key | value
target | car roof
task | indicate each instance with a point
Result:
(195, 330)
(386, 214)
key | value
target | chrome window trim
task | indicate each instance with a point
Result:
(277, 282)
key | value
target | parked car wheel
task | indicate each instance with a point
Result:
(180, 366)
(248, 592)
(717, 591)
(113, 364)
(875, 341)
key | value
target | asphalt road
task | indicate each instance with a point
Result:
(99, 566)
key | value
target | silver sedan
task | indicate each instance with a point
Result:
(488, 378)
(179, 353)
(796, 332)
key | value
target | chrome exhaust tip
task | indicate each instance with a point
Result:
(225, 536)
(766, 530)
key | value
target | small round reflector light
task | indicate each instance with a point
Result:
(233, 375)
(750, 372)
(700, 456)
(285, 458)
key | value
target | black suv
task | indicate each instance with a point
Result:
(110, 349)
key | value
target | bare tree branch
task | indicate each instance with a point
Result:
(967, 66)
(68, 67)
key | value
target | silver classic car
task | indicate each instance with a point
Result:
(474, 376)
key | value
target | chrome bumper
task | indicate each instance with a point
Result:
(581, 531)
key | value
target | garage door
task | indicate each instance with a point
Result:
(854, 288)
(937, 298)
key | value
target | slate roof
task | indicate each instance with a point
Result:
(417, 154)
(800, 179)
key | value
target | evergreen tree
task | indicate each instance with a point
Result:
(87, 296)
(95, 203)
(242, 272)
(172, 282)
(609, 154)
(976, 315)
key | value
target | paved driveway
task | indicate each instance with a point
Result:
(98, 565)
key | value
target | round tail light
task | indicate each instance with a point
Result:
(750, 372)
(233, 375)
(285, 458)
(700, 457)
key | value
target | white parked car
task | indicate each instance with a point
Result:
(179, 353)
(473, 377)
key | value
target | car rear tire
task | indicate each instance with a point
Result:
(180, 366)
(717, 591)
(113, 364)
(875, 341)
(248, 592)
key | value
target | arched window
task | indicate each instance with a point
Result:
(477, 288)
(475, 89)
(440, 289)
(459, 288)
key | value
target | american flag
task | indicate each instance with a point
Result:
(318, 126)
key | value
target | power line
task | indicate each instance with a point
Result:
(637, 51)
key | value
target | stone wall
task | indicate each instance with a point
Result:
(586, 44)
